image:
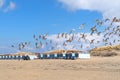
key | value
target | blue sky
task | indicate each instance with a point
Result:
(22, 19)
(40, 16)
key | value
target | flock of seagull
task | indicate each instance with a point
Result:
(107, 30)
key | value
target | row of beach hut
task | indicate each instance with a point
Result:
(10, 57)
(65, 54)
(70, 55)
(59, 56)
(16, 57)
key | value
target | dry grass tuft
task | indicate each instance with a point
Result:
(106, 51)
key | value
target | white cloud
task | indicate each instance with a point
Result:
(108, 8)
(6, 6)
(75, 43)
(1, 3)
(54, 38)
(10, 7)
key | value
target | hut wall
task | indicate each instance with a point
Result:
(0, 57)
(41, 56)
(32, 57)
(84, 56)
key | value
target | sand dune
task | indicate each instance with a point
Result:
(106, 51)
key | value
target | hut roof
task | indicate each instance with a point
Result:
(62, 51)
(23, 53)
(19, 53)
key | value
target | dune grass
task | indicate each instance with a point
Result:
(106, 51)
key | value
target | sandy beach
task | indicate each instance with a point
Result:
(97, 68)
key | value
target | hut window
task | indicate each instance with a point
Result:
(6, 56)
(64, 55)
(48, 55)
(55, 55)
(16, 56)
(41, 55)
(73, 54)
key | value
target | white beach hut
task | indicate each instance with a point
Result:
(41, 56)
(84, 56)
(48, 56)
(32, 57)
(3, 57)
(6, 57)
(0, 57)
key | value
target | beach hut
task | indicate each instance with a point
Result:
(48, 56)
(41, 56)
(56, 56)
(0, 57)
(26, 57)
(20, 57)
(32, 57)
(7, 57)
(52, 56)
(84, 56)
(12, 57)
(60, 55)
(64, 56)
(77, 55)
(15, 57)
(69, 55)
(73, 56)
(45, 56)
(3, 57)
